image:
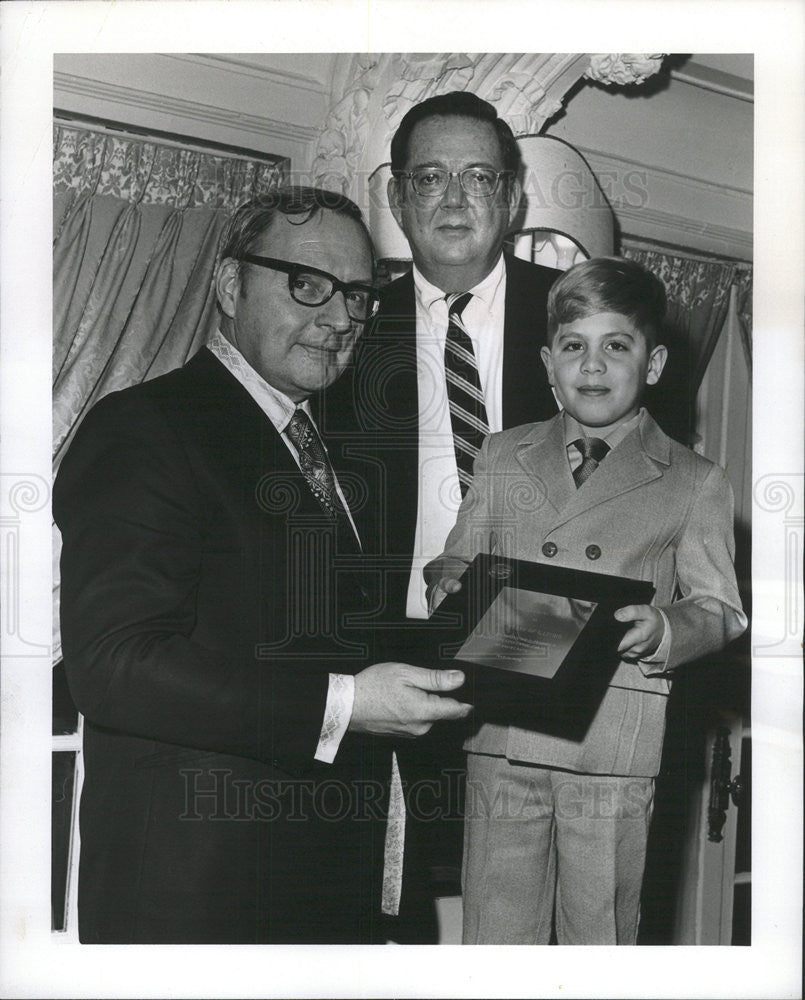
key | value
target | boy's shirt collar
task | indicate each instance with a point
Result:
(574, 430)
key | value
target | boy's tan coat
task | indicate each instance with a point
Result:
(656, 511)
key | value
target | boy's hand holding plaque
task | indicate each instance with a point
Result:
(538, 643)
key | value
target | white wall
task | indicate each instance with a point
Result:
(695, 149)
(273, 104)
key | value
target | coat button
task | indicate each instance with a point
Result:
(593, 552)
(549, 549)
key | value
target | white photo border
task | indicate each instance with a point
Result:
(33, 961)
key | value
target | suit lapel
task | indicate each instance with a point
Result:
(527, 395)
(637, 460)
(544, 456)
(256, 446)
(388, 404)
(395, 338)
(253, 448)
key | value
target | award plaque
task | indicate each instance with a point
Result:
(537, 643)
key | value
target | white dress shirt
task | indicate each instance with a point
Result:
(279, 409)
(439, 491)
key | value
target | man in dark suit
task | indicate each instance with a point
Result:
(213, 618)
(439, 371)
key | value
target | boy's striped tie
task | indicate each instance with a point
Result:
(592, 451)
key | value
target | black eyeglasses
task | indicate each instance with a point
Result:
(310, 286)
(431, 182)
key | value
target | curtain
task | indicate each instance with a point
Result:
(709, 322)
(136, 225)
(698, 300)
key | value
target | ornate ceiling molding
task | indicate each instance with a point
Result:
(678, 230)
(623, 68)
(66, 84)
(371, 93)
(256, 69)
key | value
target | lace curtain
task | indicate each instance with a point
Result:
(698, 303)
(136, 225)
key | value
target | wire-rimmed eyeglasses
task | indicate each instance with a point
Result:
(431, 182)
(310, 286)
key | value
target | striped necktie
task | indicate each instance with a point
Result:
(592, 451)
(464, 394)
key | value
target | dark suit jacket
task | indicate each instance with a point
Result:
(382, 392)
(384, 395)
(205, 599)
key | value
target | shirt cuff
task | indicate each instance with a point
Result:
(659, 657)
(337, 713)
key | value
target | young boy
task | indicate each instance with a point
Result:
(556, 830)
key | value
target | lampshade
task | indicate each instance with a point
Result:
(563, 205)
(390, 244)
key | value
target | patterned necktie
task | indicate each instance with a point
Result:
(592, 451)
(314, 463)
(464, 394)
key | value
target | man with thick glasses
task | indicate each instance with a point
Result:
(214, 609)
(311, 286)
(455, 354)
